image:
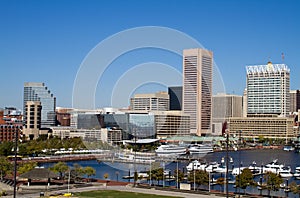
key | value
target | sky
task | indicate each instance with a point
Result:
(47, 41)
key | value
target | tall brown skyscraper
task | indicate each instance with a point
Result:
(197, 89)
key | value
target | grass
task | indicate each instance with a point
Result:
(116, 194)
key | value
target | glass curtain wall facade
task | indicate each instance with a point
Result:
(268, 88)
(39, 92)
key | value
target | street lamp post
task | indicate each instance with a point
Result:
(177, 175)
(135, 171)
(15, 162)
(227, 163)
(239, 147)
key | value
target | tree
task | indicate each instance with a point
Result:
(6, 148)
(106, 176)
(295, 188)
(244, 179)
(273, 181)
(76, 172)
(61, 168)
(201, 177)
(180, 175)
(26, 167)
(156, 174)
(261, 139)
(220, 181)
(89, 171)
(5, 167)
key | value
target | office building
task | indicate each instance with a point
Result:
(226, 106)
(197, 89)
(245, 107)
(151, 102)
(171, 123)
(294, 100)
(175, 94)
(8, 132)
(267, 127)
(39, 92)
(268, 88)
(32, 119)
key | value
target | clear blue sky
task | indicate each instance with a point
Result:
(46, 41)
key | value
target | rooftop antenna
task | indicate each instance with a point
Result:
(282, 57)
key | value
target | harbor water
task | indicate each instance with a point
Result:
(120, 171)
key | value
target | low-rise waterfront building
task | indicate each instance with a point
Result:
(267, 127)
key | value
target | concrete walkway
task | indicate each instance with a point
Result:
(121, 188)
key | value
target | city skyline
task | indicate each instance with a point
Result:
(52, 39)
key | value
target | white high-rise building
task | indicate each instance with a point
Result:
(197, 89)
(268, 89)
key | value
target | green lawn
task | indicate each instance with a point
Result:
(116, 194)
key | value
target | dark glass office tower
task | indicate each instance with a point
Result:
(175, 94)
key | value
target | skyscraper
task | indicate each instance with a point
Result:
(197, 88)
(175, 94)
(268, 88)
(294, 100)
(39, 92)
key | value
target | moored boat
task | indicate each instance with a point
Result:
(170, 150)
(200, 149)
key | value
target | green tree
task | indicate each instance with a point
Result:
(61, 168)
(25, 167)
(295, 188)
(244, 179)
(89, 171)
(273, 181)
(180, 175)
(6, 148)
(76, 172)
(156, 174)
(5, 167)
(201, 177)
(106, 176)
(220, 181)
(261, 139)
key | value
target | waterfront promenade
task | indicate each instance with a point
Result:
(121, 188)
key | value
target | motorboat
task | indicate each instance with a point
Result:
(254, 168)
(297, 172)
(196, 165)
(273, 167)
(285, 172)
(170, 150)
(288, 148)
(237, 171)
(212, 166)
(200, 149)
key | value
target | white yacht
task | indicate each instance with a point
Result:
(297, 172)
(196, 165)
(212, 166)
(237, 171)
(273, 167)
(200, 149)
(170, 150)
(285, 172)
